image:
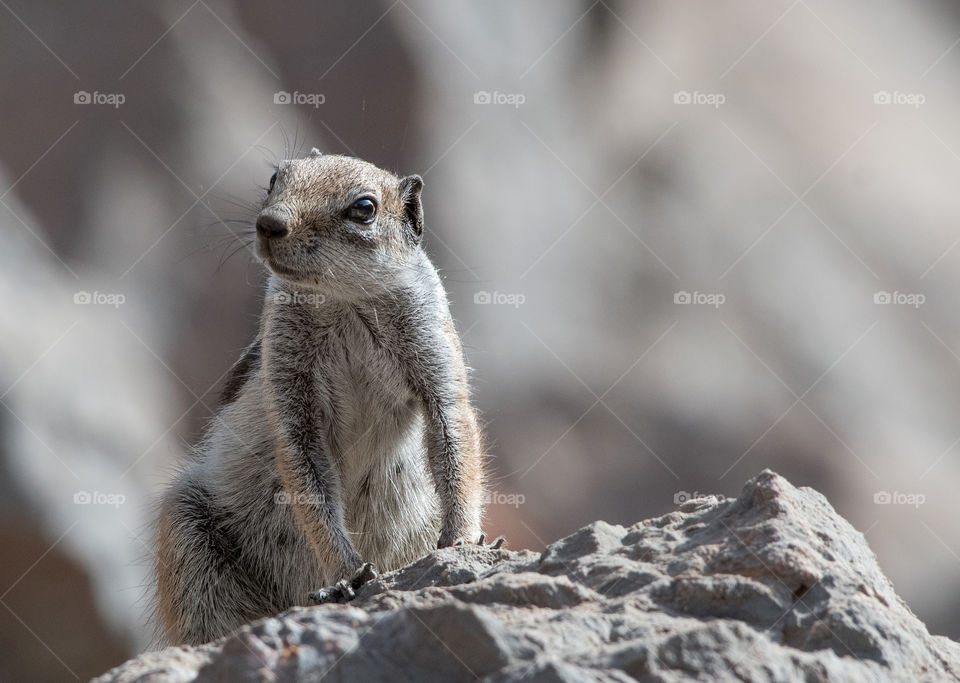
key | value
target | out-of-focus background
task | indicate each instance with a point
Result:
(683, 242)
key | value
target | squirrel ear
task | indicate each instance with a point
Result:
(314, 152)
(410, 189)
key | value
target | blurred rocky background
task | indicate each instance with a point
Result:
(683, 242)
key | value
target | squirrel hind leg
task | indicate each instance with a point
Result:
(203, 593)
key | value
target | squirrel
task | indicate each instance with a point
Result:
(345, 442)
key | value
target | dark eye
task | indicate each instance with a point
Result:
(362, 211)
(273, 181)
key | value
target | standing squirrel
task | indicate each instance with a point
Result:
(345, 442)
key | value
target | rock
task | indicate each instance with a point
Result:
(771, 586)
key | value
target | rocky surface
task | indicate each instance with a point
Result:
(770, 586)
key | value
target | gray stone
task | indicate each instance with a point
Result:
(771, 586)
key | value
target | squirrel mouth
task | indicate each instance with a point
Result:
(270, 260)
(282, 270)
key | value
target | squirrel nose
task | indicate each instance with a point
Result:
(272, 226)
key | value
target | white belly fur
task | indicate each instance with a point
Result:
(392, 516)
(388, 495)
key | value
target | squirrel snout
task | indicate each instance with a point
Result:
(272, 226)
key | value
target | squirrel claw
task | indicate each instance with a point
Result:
(367, 572)
(497, 542)
(496, 545)
(322, 596)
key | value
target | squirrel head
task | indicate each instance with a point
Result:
(341, 225)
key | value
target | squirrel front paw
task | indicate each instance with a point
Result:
(497, 542)
(345, 589)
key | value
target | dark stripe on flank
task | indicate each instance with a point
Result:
(242, 370)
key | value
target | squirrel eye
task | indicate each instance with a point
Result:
(273, 181)
(362, 211)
